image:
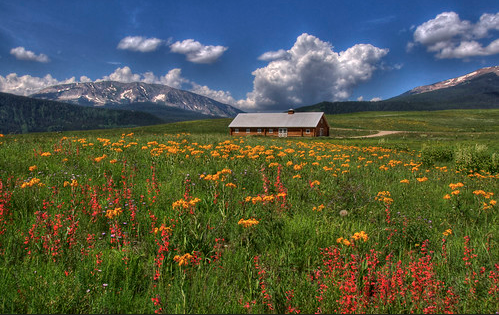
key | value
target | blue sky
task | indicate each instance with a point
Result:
(255, 55)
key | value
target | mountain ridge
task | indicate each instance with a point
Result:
(106, 93)
(476, 90)
(453, 81)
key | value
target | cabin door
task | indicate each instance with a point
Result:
(283, 132)
(321, 132)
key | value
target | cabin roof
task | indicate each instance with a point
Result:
(269, 120)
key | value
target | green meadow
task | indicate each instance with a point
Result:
(184, 218)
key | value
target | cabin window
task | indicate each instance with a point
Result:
(247, 130)
(271, 130)
(259, 130)
(236, 130)
(307, 131)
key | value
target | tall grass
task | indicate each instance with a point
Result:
(161, 222)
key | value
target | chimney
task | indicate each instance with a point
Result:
(291, 111)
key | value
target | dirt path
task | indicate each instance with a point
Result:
(380, 133)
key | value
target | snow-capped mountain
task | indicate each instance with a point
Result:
(107, 93)
(454, 81)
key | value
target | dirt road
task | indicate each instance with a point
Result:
(380, 133)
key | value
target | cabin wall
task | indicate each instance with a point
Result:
(292, 132)
(325, 128)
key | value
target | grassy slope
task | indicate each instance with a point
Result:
(422, 121)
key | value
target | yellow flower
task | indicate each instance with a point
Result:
(483, 193)
(319, 208)
(447, 232)
(162, 228)
(405, 181)
(182, 260)
(315, 183)
(455, 192)
(46, 154)
(455, 186)
(422, 179)
(248, 223)
(100, 158)
(360, 235)
(447, 197)
(384, 196)
(111, 213)
(113, 161)
(32, 182)
(181, 203)
(32, 168)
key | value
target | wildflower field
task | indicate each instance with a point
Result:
(166, 222)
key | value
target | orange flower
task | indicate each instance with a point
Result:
(182, 260)
(455, 186)
(319, 208)
(248, 223)
(111, 213)
(360, 235)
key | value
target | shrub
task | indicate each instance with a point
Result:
(474, 158)
(431, 154)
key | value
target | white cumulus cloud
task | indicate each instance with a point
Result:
(26, 84)
(274, 55)
(197, 52)
(139, 43)
(218, 95)
(22, 54)
(311, 72)
(450, 37)
(123, 75)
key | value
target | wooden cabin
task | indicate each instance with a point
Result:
(290, 124)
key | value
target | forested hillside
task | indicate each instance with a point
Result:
(20, 114)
